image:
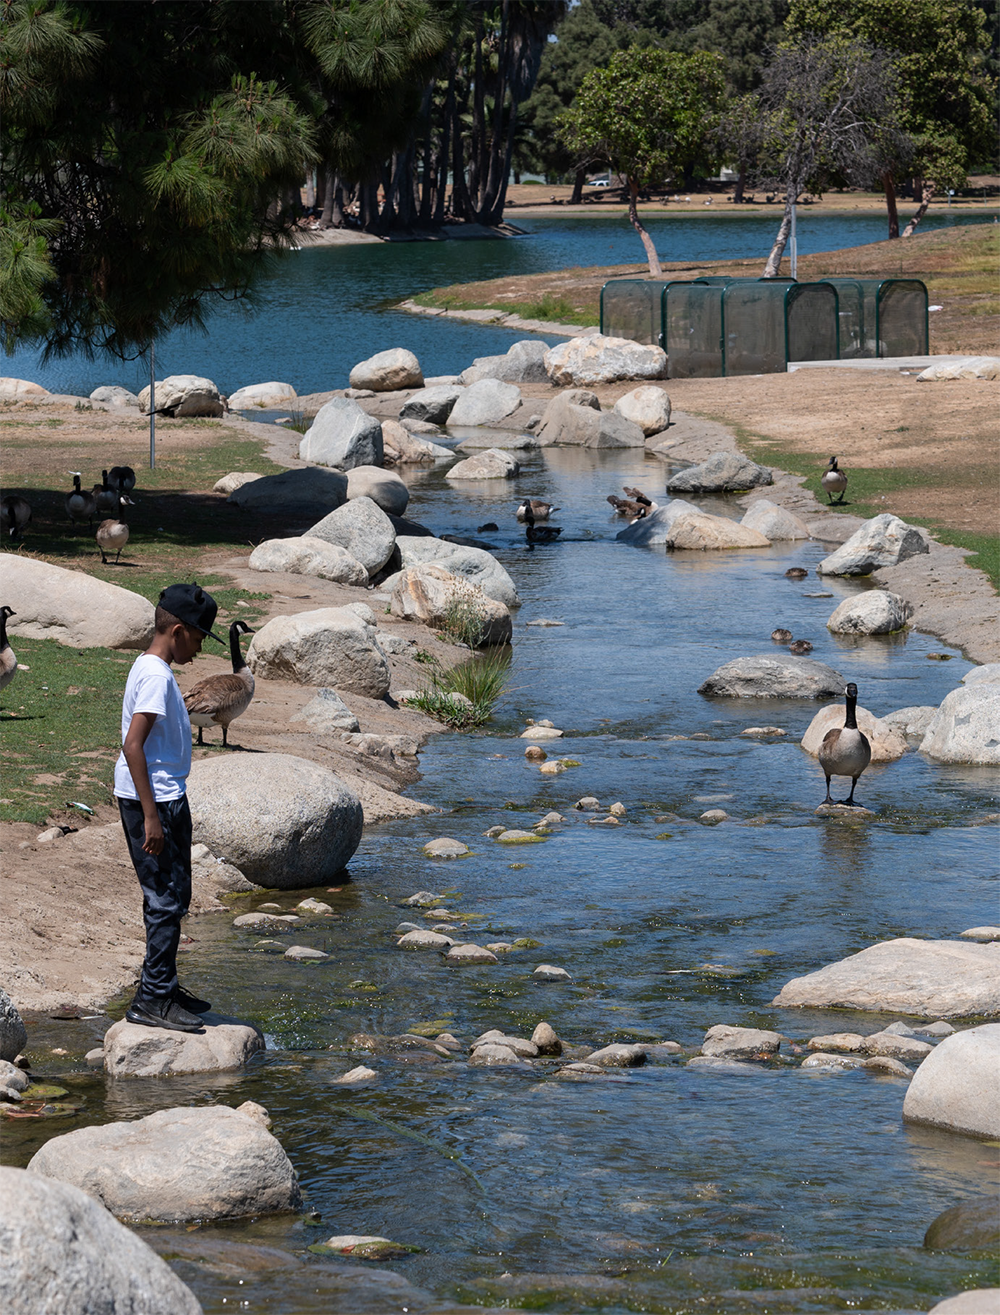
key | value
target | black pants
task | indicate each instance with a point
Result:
(165, 879)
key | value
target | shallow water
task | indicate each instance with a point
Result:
(664, 1189)
(325, 309)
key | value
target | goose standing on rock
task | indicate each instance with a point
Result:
(80, 503)
(219, 700)
(834, 481)
(8, 662)
(112, 534)
(532, 510)
(15, 515)
(845, 752)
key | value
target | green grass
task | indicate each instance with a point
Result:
(547, 307)
(482, 680)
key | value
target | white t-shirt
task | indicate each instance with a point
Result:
(151, 687)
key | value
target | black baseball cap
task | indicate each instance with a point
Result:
(193, 605)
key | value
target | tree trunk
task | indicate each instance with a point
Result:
(461, 204)
(426, 169)
(326, 190)
(476, 143)
(578, 181)
(442, 160)
(310, 189)
(925, 200)
(647, 241)
(778, 250)
(890, 203)
(337, 202)
(740, 188)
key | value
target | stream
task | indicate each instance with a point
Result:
(660, 1189)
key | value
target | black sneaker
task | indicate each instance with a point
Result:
(190, 1002)
(165, 1013)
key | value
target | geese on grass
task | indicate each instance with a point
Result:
(15, 516)
(105, 497)
(219, 700)
(122, 478)
(834, 481)
(80, 503)
(531, 510)
(8, 662)
(845, 752)
(112, 534)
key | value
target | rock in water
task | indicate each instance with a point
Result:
(432, 405)
(598, 359)
(492, 463)
(430, 594)
(877, 612)
(387, 372)
(189, 1163)
(723, 472)
(886, 743)
(956, 1086)
(363, 528)
(306, 824)
(76, 609)
(971, 1226)
(740, 1042)
(575, 419)
(131, 1051)
(774, 676)
(64, 1254)
(13, 1036)
(929, 979)
(882, 541)
(966, 728)
(774, 522)
(307, 555)
(329, 646)
(342, 436)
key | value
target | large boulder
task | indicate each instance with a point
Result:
(62, 1253)
(971, 1226)
(911, 722)
(887, 743)
(184, 395)
(969, 367)
(485, 403)
(72, 607)
(21, 390)
(307, 555)
(597, 359)
(114, 395)
(387, 372)
(384, 488)
(975, 1301)
(211, 1162)
(988, 673)
(133, 1051)
(722, 472)
(492, 463)
(13, 1036)
(877, 612)
(524, 363)
(774, 522)
(363, 528)
(931, 979)
(432, 595)
(646, 406)
(406, 449)
(478, 565)
(342, 436)
(967, 726)
(309, 492)
(262, 397)
(774, 676)
(575, 419)
(882, 541)
(234, 479)
(654, 530)
(432, 405)
(698, 531)
(957, 1087)
(285, 822)
(327, 646)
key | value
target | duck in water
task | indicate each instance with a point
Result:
(845, 752)
(532, 510)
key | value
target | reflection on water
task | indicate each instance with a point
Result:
(663, 1189)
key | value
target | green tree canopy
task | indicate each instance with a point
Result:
(649, 115)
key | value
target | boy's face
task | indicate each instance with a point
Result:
(185, 643)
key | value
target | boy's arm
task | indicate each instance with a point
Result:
(138, 731)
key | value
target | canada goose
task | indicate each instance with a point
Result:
(624, 507)
(637, 495)
(781, 636)
(219, 700)
(834, 481)
(796, 573)
(122, 478)
(532, 510)
(112, 534)
(800, 646)
(8, 662)
(15, 514)
(845, 752)
(80, 503)
(105, 497)
(537, 533)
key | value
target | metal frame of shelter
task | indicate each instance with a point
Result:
(882, 317)
(633, 304)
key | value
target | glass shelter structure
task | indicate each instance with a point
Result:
(882, 317)
(630, 308)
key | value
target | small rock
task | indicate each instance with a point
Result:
(495, 831)
(423, 898)
(763, 730)
(14, 1078)
(618, 810)
(313, 906)
(553, 819)
(886, 1064)
(603, 821)
(618, 1056)
(499, 947)
(547, 972)
(259, 919)
(304, 952)
(525, 1049)
(356, 1075)
(493, 1054)
(536, 755)
(552, 769)
(846, 1042)
(545, 1040)
(516, 837)
(823, 1059)
(95, 1058)
(981, 934)
(588, 804)
(544, 621)
(470, 954)
(896, 1047)
(444, 847)
(540, 732)
(581, 1072)
(360, 1246)
(971, 1226)
(720, 1064)
(251, 1110)
(53, 833)
(937, 1028)
(740, 1042)
(713, 817)
(424, 940)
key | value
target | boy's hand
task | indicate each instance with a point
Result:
(153, 843)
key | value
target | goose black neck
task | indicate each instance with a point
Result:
(529, 515)
(235, 652)
(3, 630)
(850, 721)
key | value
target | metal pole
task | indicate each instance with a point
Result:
(152, 410)
(794, 246)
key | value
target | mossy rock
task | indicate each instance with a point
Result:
(43, 1091)
(515, 837)
(525, 943)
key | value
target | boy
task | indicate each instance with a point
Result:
(150, 785)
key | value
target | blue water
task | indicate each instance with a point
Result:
(324, 309)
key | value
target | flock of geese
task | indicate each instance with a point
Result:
(106, 500)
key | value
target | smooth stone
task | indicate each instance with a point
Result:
(977, 1301)
(894, 1046)
(306, 822)
(388, 372)
(588, 804)
(760, 731)
(552, 769)
(181, 395)
(713, 817)
(21, 390)
(64, 1254)
(313, 906)
(499, 947)
(523, 363)
(600, 359)
(575, 419)
(342, 436)
(365, 1247)
(513, 443)
(206, 1162)
(424, 940)
(12, 1077)
(832, 1061)
(304, 953)
(445, 847)
(326, 713)
(431, 594)
(261, 919)
(967, 727)
(541, 733)
(772, 676)
(547, 972)
(876, 612)
(740, 1042)
(309, 492)
(720, 1064)
(384, 488)
(521, 1047)
(970, 1226)
(423, 898)
(363, 529)
(267, 396)
(884, 540)
(845, 812)
(618, 1056)
(486, 402)
(114, 395)
(355, 1076)
(847, 1042)
(984, 935)
(550, 819)
(493, 1054)
(777, 524)
(886, 744)
(13, 1034)
(73, 608)
(722, 472)
(518, 837)
(431, 405)
(581, 1072)
(133, 1051)
(476, 564)
(646, 406)
(988, 673)
(912, 723)
(404, 448)
(956, 1086)
(470, 953)
(926, 979)
(544, 621)
(491, 463)
(887, 1065)
(654, 530)
(328, 646)
(545, 1040)
(309, 555)
(235, 480)
(697, 531)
